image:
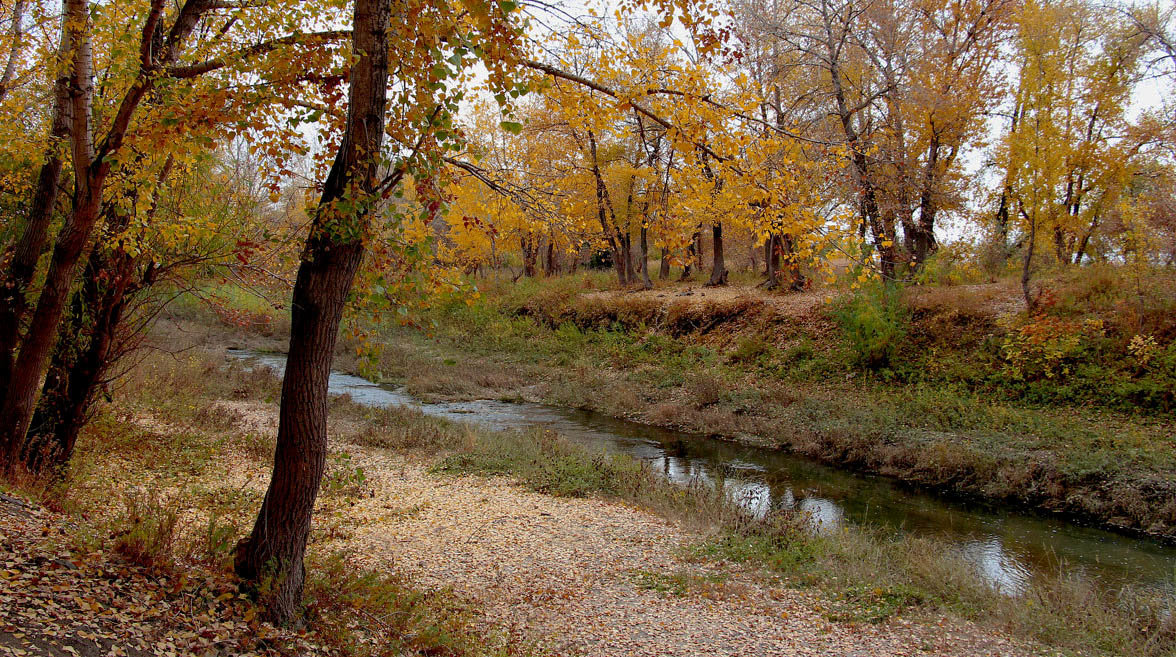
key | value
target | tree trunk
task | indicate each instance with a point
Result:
(1027, 262)
(80, 359)
(719, 269)
(16, 38)
(276, 546)
(14, 281)
(692, 255)
(552, 267)
(772, 264)
(645, 280)
(17, 409)
(664, 269)
(786, 247)
(924, 244)
(530, 254)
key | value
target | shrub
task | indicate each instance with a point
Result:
(873, 323)
(1046, 347)
(750, 351)
(145, 533)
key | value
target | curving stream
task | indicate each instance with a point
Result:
(1005, 546)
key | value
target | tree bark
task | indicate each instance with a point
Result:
(552, 267)
(924, 244)
(17, 409)
(21, 266)
(274, 550)
(786, 247)
(772, 264)
(1027, 262)
(646, 282)
(719, 268)
(693, 254)
(80, 359)
(664, 269)
(16, 35)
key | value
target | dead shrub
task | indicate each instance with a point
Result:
(145, 532)
(705, 390)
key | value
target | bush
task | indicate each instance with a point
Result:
(873, 323)
(145, 533)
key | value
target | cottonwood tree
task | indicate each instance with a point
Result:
(135, 114)
(1071, 154)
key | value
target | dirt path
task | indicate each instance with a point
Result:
(581, 575)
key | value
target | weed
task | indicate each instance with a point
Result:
(145, 532)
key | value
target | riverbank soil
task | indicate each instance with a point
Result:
(953, 389)
(531, 572)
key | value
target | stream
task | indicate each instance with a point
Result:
(1006, 547)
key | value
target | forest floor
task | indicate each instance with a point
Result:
(536, 573)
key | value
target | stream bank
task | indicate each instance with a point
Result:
(1006, 548)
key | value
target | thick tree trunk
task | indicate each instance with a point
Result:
(17, 409)
(80, 360)
(530, 254)
(664, 269)
(793, 278)
(924, 244)
(276, 546)
(719, 268)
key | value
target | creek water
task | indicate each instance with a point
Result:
(1005, 547)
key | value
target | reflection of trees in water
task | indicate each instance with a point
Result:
(996, 565)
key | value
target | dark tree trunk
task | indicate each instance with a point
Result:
(530, 254)
(552, 266)
(80, 360)
(664, 269)
(275, 548)
(719, 269)
(1002, 222)
(1084, 243)
(924, 244)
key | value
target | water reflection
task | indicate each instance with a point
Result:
(1004, 547)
